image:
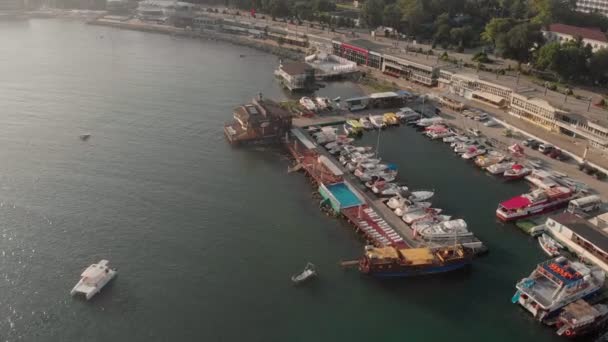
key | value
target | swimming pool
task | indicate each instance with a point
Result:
(344, 195)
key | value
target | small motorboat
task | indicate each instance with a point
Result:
(423, 214)
(441, 230)
(500, 168)
(409, 207)
(84, 137)
(473, 152)
(93, 279)
(390, 119)
(367, 125)
(517, 171)
(551, 247)
(308, 273)
(308, 103)
(491, 158)
(337, 99)
(420, 196)
(396, 201)
(388, 189)
(321, 102)
(377, 121)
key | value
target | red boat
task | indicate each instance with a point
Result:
(517, 171)
(537, 202)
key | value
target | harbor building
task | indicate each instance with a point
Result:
(165, 11)
(330, 66)
(559, 119)
(296, 75)
(474, 88)
(261, 121)
(451, 101)
(359, 55)
(536, 111)
(563, 33)
(415, 72)
(590, 6)
(588, 239)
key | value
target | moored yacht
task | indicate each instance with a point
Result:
(377, 121)
(452, 229)
(536, 202)
(551, 247)
(500, 168)
(556, 283)
(367, 125)
(517, 171)
(473, 152)
(408, 207)
(308, 103)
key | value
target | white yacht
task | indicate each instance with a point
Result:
(442, 230)
(419, 196)
(93, 279)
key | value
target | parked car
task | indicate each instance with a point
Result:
(482, 117)
(555, 153)
(527, 142)
(545, 148)
(586, 168)
(563, 157)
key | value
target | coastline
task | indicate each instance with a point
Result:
(268, 46)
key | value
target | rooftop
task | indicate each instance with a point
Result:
(592, 33)
(295, 68)
(583, 228)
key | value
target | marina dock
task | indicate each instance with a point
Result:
(370, 217)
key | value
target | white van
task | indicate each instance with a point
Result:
(585, 205)
(545, 148)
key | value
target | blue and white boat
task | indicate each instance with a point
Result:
(556, 283)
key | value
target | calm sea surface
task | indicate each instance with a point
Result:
(204, 236)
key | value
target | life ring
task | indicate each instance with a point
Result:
(569, 333)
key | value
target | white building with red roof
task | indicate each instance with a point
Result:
(563, 33)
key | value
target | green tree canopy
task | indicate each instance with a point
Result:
(372, 12)
(519, 43)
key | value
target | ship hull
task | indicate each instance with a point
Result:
(405, 272)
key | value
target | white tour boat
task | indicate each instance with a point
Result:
(93, 279)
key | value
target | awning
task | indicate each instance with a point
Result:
(490, 97)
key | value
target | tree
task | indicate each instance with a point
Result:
(495, 27)
(547, 57)
(598, 64)
(442, 29)
(572, 62)
(461, 36)
(372, 12)
(323, 6)
(414, 15)
(519, 43)
(392, 16)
